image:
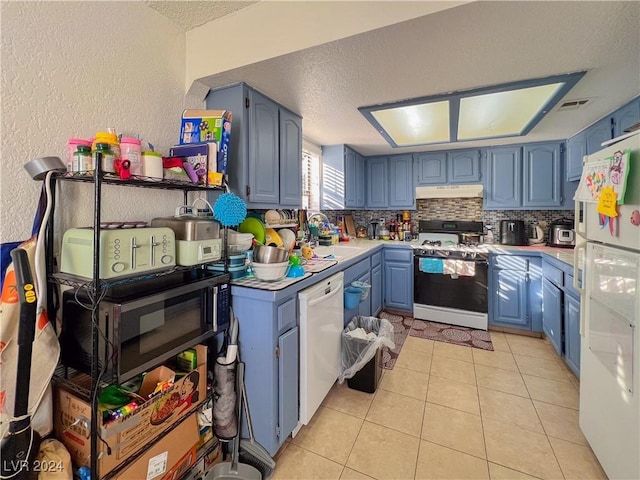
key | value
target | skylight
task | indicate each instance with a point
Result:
(506, 110)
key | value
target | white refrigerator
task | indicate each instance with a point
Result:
(609, 255)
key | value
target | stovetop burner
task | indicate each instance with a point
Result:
(454, 251)
(432, 243)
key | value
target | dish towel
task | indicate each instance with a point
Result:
(459, 268)
(431, 265)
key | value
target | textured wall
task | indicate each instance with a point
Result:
(70, 69)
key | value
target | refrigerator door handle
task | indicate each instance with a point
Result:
(581, 245)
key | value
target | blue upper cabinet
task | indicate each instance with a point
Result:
(290, 159)
(542, 175)
(343, 178)
(576, 150)
(401, 188)
(431, 168)
(266, 147)
(596, 134)
(377, 181)
(626, 116)
(503, 177)
(463, 166)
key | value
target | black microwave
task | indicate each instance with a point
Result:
(142, 324)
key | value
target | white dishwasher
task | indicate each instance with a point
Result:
(321, 325)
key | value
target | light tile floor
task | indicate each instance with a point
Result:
(450, 412)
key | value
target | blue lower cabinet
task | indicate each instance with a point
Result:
(268, 339)
(398, 279)
(357, 273)
(552, 314)
(572, 333)
(376, 290)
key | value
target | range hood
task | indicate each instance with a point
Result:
(449, 191)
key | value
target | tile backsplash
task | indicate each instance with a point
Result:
(456, 209)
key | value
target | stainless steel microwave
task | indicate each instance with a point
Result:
(143, 324)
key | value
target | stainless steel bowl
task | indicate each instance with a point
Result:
(267, 254)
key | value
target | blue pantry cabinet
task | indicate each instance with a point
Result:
(515, 291)
(268, 339)
(266, 146)
(398, 279)
(343, 178)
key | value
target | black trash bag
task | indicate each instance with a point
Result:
(359, 347)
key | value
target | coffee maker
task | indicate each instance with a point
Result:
(513, 232)
(372, 233)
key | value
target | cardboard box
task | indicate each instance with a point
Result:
(125, 436)
(203, 158)
(202, 126)
(169, 458)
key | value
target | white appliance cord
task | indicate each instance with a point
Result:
(41, 281)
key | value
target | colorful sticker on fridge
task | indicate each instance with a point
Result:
(607, 202)
(609, 172)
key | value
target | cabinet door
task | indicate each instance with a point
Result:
(351, 175)
(365, 305)
(401, 190)
(542, 171)
(626, 116)
(463, 166)
(398, 286)
(290, 159)
(377, 183)
(504, 177)
(576, 149)
(598, 133)
(264, 151)
(431, 168)
(572, 333)
(510, 298)
(552, 314)
(287, 383)
(360, 181)
(376, 289)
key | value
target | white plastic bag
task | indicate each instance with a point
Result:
(357, 352)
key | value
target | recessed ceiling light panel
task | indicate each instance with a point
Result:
(416, 124)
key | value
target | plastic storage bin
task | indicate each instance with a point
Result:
(364, 286)
(352, 297)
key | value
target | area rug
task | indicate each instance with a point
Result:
(401, 328)
(441, 332)
(405, 325)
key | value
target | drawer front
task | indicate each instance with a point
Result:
(398, 255)
(568, 286)
(511, 262)
(553, 274)
(287, 315)
(376, 259)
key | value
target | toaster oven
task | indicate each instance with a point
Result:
(123, 251)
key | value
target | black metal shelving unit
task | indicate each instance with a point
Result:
(96, 286)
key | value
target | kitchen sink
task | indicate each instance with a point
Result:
(340, 252)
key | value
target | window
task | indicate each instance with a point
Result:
(311, 158)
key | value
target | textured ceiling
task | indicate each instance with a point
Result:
(187, 14)
(474, 45)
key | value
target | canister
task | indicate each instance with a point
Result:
(152, 165)
(110, 139)
(108, 158)
(82, 159)
(130, 149)
(72, 147)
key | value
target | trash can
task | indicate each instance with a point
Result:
(362, 342)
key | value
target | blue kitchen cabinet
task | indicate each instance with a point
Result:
(431, 168)
(576, 150)
(264, 166)
(268, 339)
(542, 175)
(365, 305)
(290, 159)
(359, 272)
(343, 178)
(401, 188)
(626, 116)
(515, 292)
(572, 333)
(463, 166)
(503, 178)
(596, 134)
(552, 314)
(376, 289)
(377, 183)
(398, 279)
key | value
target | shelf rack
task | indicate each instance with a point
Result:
(96, 285)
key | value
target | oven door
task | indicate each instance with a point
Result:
(462, 292)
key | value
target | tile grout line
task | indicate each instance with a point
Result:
(484, 438)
